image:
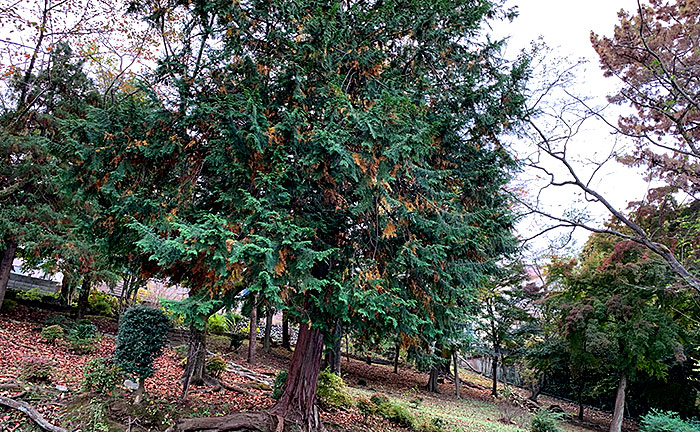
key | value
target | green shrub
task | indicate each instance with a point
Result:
(366, 406)
(8, 305)
(662, 421)
(33, 294)
(331, 390)
(398, 414)
(83, 345)
(217, 324)
(101, 375)
(545, 421)
(379, 399)
(84, 330)
(435, 424)
(142, 335)
(278, 387)
(102, 303)
(36, 369)
(52, 333)
(216, 365)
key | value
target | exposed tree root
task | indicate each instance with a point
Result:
(219, 383)
(31, 413)
(239, 422)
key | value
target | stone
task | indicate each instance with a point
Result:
(61, 388)
(130, 384)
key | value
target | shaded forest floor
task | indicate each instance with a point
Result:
(61, 401)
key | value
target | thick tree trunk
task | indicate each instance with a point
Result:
(457, 380)
(432, 385)
(619, 413)
(396, 358)
(196, 360)
(297, 403)
(268, 329)
(5, 267)
(494, 373)
(333, 356)
(253, 334)
(83, 298)
(285, 331)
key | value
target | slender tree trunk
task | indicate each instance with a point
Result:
(347, 347)
(67, 286)
(5, 267)
(457, 380)
(135, 288)
(494, 373)
(253, 335)
(432, 385)
(396, 358)
(536, 388)
(619, 413)
(83, 298)
(140, 391)
(297, 403)
(579, 399)
(196, 359)
(333, 356)
(285, 331)
(125, 290)
(268, 329)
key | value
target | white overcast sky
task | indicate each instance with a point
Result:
(565, 26)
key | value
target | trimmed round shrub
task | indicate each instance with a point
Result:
(101, 375)
(331, 390)
(52, 333)
(217, 324)
(142, 335)
(216, 365)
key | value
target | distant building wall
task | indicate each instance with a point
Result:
(19, 282)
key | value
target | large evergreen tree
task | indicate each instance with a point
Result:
(340, 158)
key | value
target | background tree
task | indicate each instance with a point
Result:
(618, 313)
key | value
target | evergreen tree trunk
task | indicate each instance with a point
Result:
(285, 331)
(432, 385)
(396, 358)
(494, 373)
(268, 329)
(619, 413)
(457, 381)
(253, 334)
(297, 403)
(83, 298)
(5, 267)
(67, 286)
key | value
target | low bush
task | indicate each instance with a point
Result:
(435, 424)
(331, 390)
(31, 295)
(52, 333)
(379, 399)
(102, 303)
(37, 369)
(217, 324)
(366, 406)
(663, 421)
(8, 305)
(101, 375)
(215, 366)
(278, 386)
(545, 421)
